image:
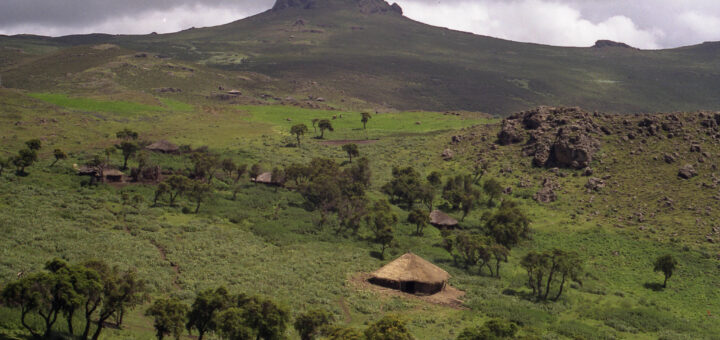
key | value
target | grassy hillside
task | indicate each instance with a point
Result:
(386, 60)
(266, 243)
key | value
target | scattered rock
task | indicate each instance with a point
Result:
(587, 172)
(447, 154)
(595, 184)
(547, 194)
(687, 172)
(507, 191)
(669, 158)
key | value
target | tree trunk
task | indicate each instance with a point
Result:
(497, 268)
(23, 314)
(53, 163)
(125, 159)
(69, 318)
(350, 158)
(549, 281)
(200, 334)
(197, 207)
(562, 284)
(665, 282)
(100, 325)
(298, 140)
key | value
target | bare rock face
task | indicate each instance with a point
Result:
(555, 137)
(687, 172)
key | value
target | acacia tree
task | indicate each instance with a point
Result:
(543, 269)
(59, 155)
(24, 159)
(122, 290)
(127, 134)
(177, 185)
(311, 323)
(381, 220)
(207, 305)
(389, 327)
(298, 130)
(493, 329)
(267, 319)
(38, 293)
(365, 118)
(667, 265)
(500, 253)
(460, 192)
(508, 225)
(420, 219)
(351, 150)
(493, 189)
(199, 192)
(168, 317)
(128, 149)
(325, 125)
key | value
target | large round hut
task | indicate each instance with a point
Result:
(411, 274)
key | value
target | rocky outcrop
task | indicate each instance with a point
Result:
(363, 6)
(610, 43)
(555, 137)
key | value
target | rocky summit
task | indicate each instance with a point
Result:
(363, 6)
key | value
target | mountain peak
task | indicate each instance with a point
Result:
(364, 6)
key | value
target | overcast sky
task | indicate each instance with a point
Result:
(641, 23)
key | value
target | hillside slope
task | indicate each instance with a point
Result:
(368, 50)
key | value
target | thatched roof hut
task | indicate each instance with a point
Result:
(113, 175)
(234, 92)
(411, 274)
(442, 220)
(163, 146)
(264, 178)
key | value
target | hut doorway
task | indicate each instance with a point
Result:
(409, 287)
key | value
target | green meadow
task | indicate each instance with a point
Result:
(265, 242)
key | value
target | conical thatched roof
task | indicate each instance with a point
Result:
(265, 177)
(163, 146)
(439, 218)
(411, 267)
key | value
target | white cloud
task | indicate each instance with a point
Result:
(539, 21)
(160, 21)
(704, 26)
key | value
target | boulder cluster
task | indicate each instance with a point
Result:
(554, 136)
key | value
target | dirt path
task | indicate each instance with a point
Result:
(345, 309)
(175, 267)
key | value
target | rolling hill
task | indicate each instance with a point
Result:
(366, 49)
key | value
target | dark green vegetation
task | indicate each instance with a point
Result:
(339, 52)
(589, 265)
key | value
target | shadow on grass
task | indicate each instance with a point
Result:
(377, 255)
(654, 286)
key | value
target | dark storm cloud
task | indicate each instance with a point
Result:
(642, 23)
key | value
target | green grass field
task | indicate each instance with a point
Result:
(266, 243)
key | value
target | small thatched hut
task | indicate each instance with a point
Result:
(264, 178)
(442, 220)
(411, 274)
(113, 175)
(234, 92)
(163, 146)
